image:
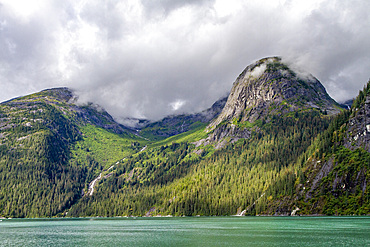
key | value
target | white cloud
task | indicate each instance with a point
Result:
(138, 58)
(25, 10)
(176, 105)
(258, 71)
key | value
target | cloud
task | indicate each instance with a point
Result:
(149, 59)
(258, 71)
(176, 105)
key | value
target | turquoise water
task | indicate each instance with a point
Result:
(188, 231)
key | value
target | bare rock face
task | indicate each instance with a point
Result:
(265, 88)
(358, 133)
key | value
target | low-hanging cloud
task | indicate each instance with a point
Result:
(149, 59)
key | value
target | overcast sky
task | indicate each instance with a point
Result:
(148, 58)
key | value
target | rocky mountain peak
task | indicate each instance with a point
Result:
(269, 86)
(265, 89)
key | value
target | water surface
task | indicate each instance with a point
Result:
(188, 231)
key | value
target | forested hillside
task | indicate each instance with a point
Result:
(176, 179)
(333, 175)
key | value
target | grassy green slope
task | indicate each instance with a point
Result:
(103, 146)
(163, 130)
(190, 136)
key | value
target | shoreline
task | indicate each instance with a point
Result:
(198, 216)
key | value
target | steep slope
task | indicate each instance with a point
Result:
(333, 176)
(358, 126)
(48, 153)
(266, 88)
(33, 165)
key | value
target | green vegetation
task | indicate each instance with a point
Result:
(103, 146)
(36, 179)
(170, 127)
(246, 124)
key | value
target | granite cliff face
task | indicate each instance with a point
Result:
(358, 133)
(265, 88)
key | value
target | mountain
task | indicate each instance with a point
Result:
(265, 89)
(278, 144)
(340, 177)
(50, 147)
